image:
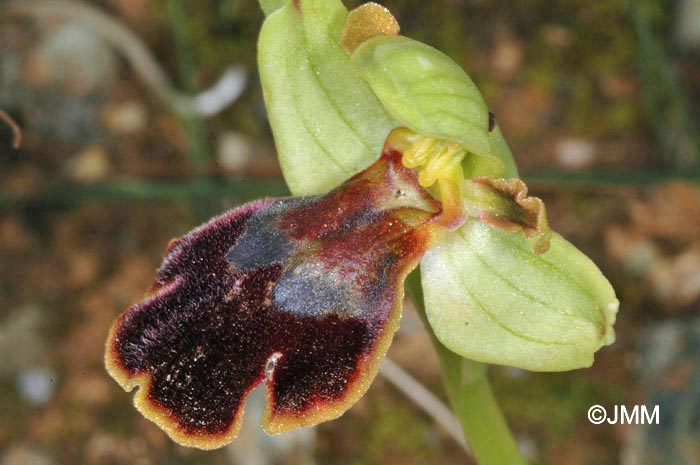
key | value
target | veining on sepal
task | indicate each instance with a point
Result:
(327, 123)
(490, 299)
(425, 90)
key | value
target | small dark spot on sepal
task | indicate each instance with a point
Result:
(492, 121)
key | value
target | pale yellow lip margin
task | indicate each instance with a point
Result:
(272, 423)
(158, 415)
(278, 423)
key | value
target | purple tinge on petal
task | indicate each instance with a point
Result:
(307, 288)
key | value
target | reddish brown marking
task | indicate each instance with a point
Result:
(204, 335)
(360, 195)
(513, 209)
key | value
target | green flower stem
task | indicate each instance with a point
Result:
(471, 397)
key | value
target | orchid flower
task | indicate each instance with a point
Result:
(395, 162)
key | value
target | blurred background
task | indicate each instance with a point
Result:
(143, 118)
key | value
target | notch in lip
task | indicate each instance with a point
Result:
(197, 349)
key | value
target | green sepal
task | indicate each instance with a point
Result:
(490, 299)
(327, 123)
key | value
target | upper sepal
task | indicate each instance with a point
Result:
(309, 289)
(327, 123)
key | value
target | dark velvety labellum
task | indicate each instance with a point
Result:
(308, 288)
